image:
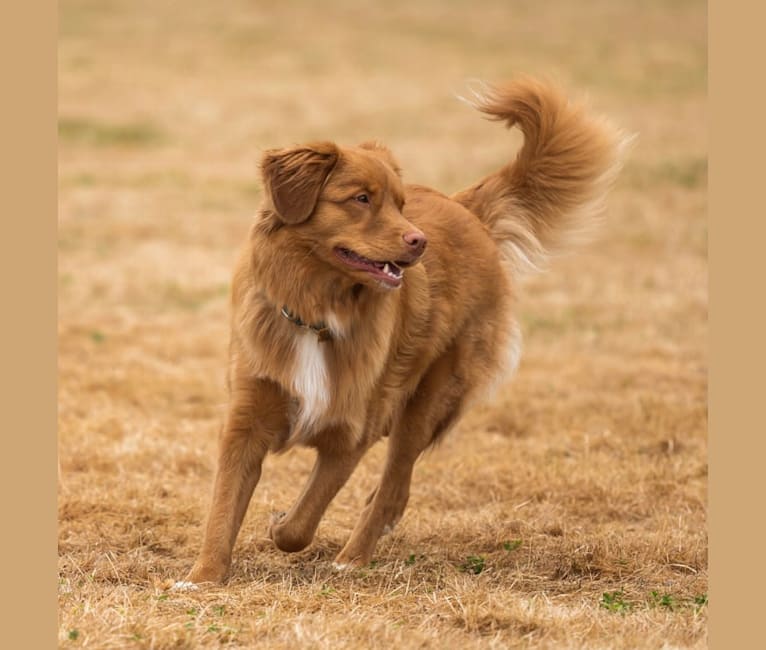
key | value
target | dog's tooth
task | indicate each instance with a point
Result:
(385, 268)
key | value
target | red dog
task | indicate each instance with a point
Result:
(364, 307)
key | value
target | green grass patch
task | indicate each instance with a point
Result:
(85, 131)
(473, 564)
(673, 603)
(412, 558)
(666, 601)
(614, 601)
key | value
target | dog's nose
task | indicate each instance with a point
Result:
(416, 240)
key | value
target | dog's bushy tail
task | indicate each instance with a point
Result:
(553, 193)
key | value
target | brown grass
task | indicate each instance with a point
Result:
(594, 457)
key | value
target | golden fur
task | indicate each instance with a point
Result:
(405, 348)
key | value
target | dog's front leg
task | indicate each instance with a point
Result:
(257, 413)
(334, 464)
(384, 506)
(434, 408)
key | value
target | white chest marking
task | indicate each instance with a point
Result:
(310, 378)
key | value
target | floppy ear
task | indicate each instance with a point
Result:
(383, 152)
(293, 178)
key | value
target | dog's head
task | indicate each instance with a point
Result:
(344, 205)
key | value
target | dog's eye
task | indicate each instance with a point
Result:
(362, 198)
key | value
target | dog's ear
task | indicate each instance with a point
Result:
(384, 153)
(293, 178)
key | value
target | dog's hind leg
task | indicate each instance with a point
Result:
(257, 412)
(436, 406)
(332, 468)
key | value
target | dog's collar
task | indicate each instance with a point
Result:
(320, 329)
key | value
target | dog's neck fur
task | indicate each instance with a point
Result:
(291, 275)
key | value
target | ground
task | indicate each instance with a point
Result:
(568, 512)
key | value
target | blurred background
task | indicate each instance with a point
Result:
(164, 109)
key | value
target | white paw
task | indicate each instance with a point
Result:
(183, 585)
(340, 566)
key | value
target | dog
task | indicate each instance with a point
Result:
(364, 308)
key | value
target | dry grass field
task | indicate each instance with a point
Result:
(568, 513)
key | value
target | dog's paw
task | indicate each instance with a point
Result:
(346, 563)
(202, 573)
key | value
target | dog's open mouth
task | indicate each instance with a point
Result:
(389, 273)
